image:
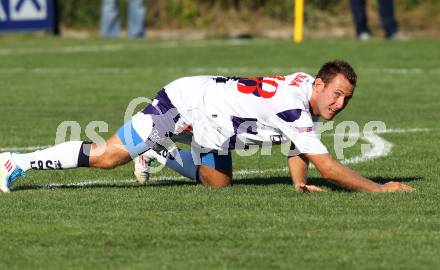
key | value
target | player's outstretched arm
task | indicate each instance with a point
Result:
(298, 166)
(336, 172)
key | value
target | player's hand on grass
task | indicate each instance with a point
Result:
(308, 188)
(397, 186)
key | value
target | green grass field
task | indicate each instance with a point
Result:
(92, 219)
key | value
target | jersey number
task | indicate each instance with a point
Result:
(265, 87)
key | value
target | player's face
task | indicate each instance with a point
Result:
(332, 97)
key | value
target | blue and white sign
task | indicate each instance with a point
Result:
(26, 15)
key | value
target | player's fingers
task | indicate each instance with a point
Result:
(313, 188)
(406, 188)
(397, 186)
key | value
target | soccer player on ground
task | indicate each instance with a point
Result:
(223, 113)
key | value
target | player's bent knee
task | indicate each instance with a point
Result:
(216, 178)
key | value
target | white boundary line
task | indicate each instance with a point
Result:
(24, 148)
(62, 49)
(379, 148)
(70, 49)
(92, 183)
(389, 130)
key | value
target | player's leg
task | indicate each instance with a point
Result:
(217, 178)
(67, 155)
(147, 128)
(211, 169)
(215, 170)
(109, 155)
(118, 150)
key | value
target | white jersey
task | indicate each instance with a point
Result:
(231, 112)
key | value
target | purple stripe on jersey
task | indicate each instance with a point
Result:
(242, 125)
(176, 118)
(163, 105)
(290, 115)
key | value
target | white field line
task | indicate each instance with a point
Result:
(379, 148)
(153, 179)
(23, 148)
(119, 47)
(62, 49)
(91, 183)
(387, 131)
(203, 70)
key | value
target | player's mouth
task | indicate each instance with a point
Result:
(333, 111)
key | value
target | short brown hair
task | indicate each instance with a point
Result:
(330, 69)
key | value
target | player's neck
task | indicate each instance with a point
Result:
(313, 104)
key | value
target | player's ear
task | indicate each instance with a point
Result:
(318, 85)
